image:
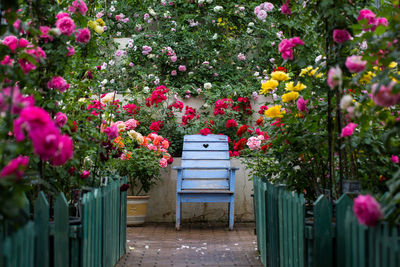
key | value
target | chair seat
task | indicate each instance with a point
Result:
(204, 191)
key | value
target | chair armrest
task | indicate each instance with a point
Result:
(177, 168)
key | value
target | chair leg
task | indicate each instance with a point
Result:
(231, 214)
(178, 213)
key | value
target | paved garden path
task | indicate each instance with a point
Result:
(194, 245)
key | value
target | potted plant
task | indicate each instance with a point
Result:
(141, 161)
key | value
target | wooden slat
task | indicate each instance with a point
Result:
(212, 174)
(42, 215)
(205, 155)
(205, 163)
(323, 252)
(209, 137)
(61, 235)
(281, 228)
(342, 205)
(302, 245)
(205, 184)
(347, 237)
(205, 146)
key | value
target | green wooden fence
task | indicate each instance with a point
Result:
(288, 236)
(98, 239)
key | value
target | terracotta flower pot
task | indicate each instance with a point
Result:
(136, 210)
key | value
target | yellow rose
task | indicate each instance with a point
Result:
(100, 22)
(290, 97)
(274, 112)
(319, 75)
(366, 78)
(269, 86)
(91, 24)
(392, 65)
(312, 73)
(99, 29)
(280, 76)
(305, 71)
(299, 86)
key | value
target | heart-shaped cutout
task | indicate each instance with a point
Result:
(205, 145)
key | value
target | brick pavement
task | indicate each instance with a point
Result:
(197, 244)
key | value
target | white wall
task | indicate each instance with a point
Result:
(162, 203)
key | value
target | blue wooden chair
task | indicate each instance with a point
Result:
(205, 174)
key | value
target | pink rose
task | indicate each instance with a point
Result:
(302, 104)
(82, 35)
(182, 68)
(66, 25)
(146, 50)
(348, 130)
(112, 132)
(163, 163)
(61, 119)
(368, 15)
(355, 64)
(45, 140)
(11, 41)
(26, 65)
(254, 143)
(334, 77)
(131, 124)
(341, 36)
(58, 83)
(16, 167)
(78, 6)
(19, 102)
(45, 34)
(174, 58)
(62, 15)
(285, 9)
(262, 15)
(394, 159)
(85, 174)
(71, 51)
(7, 60)
(385, 97)
(367, 210)
(173, 73)
(65, 151)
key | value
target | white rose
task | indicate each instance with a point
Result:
(346, 101)
(251, 24)
(218, 9)
(207, 86)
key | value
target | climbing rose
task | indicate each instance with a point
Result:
(71, 51)
(58, 83)
(65, 24)
(78, 6)
(205, 131)
(367, 210)
(286, 47)
(334, 77)
(163, 163)
(285, 9)
(82, 35)
(112, 131)
(254, 143)
(11, 41)
(341, 36)
(385, 96)
(85, 174)
(65, 151)
(131, 124)
(302, 104)
(355, 64)
(394, 159)
(182, 68)
(15, 167)
(231, 123)
(61, 119)
(45, 34)
(348, 129)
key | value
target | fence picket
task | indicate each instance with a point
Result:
(61, 235)
(42, 216)
(342, 205)
(323, 232)
(280, 226)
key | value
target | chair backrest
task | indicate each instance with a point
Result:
(201, 152)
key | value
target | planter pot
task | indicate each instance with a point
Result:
(136, 210)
